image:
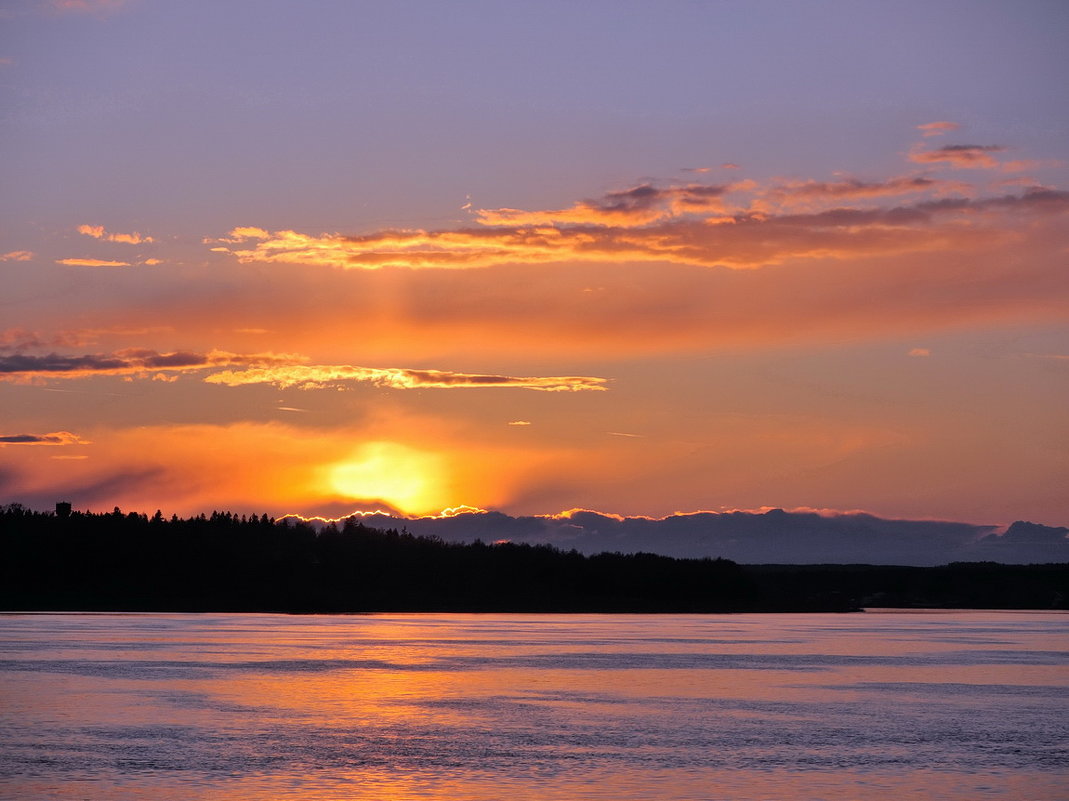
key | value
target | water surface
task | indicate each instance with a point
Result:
(962, 705)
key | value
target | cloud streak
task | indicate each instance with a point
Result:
(639, 205)
(88, 6)
(937, 128)
(853, 189)
(129, 361)
(18, 340)
(53, 438)
(320, 376)
(678, 225)
(78, 262)
(281, 370)
(98, 232)
(965, 157)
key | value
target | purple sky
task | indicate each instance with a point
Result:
(323, 256)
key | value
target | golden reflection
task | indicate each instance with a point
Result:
(562, 708)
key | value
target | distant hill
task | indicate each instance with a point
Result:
(773, 537)
(222, 562)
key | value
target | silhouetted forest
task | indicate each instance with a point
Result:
(223, 562)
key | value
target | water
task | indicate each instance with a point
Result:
(962, 705)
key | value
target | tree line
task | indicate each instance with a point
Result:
(225, 562)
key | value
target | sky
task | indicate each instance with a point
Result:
(635, 257)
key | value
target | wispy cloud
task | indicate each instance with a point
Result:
(130, 361)
(1058, 357)
(87, 6)
(17, 255)
(673, 225)
(937, 128)
(53, 438)
(282, 370)
(639, 205)
(738, 225)
(854, 189)
(98, 232)
(19, 340)
(93, 263)
(967, 157)
(16, 340)
(319, 376)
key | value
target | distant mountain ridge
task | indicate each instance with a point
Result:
(772, 537)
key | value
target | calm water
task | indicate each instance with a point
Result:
(966, 705)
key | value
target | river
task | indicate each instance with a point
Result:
(879, 705)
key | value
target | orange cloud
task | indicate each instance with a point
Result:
(240, 234)
(795, 192)
(966, 157)
(639, 205)
(623, 309)
(283, 370)
(98, 232)
(88, 6)
(16, 340)
(901, 269)
(17, 255)
(1020, 165)
(245, 465)
(130, 361)
(1059, 357)
(319, 376)
(413, 465)
(20, 339)
(937, 128)
(53, 438)
(92, 263)
(742, 240)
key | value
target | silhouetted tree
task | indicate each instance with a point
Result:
(230, 562)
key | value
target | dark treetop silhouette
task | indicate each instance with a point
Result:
(223, 562)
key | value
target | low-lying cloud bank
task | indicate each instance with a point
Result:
(773, 537)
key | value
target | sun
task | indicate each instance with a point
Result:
(407, 479)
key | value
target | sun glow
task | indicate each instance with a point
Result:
(409, 480)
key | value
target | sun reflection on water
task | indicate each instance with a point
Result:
(557, 707)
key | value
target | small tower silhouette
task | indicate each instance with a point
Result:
(63, 509)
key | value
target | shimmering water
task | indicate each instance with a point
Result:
(965, 705)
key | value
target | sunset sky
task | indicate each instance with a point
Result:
(636, 257)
